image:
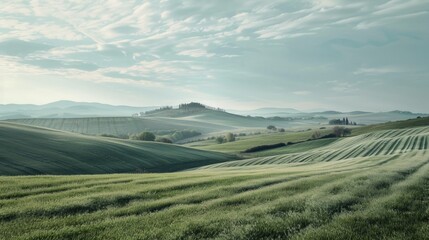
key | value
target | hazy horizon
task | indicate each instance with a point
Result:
(306, 55)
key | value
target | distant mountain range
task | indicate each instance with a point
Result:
(67, 109)
(71, 109)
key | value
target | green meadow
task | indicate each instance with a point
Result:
(370, 186)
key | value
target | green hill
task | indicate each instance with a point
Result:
(372, 186)
(27, 150)
(120, 125)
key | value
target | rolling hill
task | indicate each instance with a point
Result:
(30, 150)
(382, 144)
(120, 125)
(372, 186)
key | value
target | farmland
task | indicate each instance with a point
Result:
(31, 150)
(356, 187)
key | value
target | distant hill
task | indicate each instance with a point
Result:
(67, 109)
(267, 112)
(30, 150)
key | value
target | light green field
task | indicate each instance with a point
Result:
(204, 121)
(120, 125)
(374, 186)
(32, 150)
(254, 140)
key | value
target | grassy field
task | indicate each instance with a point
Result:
(32, 150)
(120, 125)
(204, 121)
(254, 140)
(416, 122)
(369, 186)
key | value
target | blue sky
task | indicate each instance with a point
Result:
(315, 54)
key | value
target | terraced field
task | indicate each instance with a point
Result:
(377, 144)
(374, 186)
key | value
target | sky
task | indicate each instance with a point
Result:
(344, 55)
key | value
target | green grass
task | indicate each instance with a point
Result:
(254, 140)
(296, 148)
(120, 125)
(376, 144)
(380, 198)
(31, 150)
(372, 186)
(416, 122)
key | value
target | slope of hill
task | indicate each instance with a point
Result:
(29, 150)
(120, 125)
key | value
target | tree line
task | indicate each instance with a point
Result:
(344, 121)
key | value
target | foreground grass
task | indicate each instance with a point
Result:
(373, 197)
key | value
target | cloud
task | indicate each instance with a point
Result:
(196, 53)
(215, 46)
(302, 93)
(377, 71)
(21, 48)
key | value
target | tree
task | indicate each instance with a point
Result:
(338, 131)
(316, 135)
(282, 130)
(347, 121)
(347, 132)
(341, 131)
(230, 137)
(271, 127)
(145, 136)
(220, 140)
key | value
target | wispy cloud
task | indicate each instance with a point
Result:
(377, 71)
(257, 44)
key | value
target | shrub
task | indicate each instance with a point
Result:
(264, 147)
(341, 131)
(145, 136)
(271, 127)
(220, 140)
(164, 140)
(282, 130)
(230, 137)
(316, 135)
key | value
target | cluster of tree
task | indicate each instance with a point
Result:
(264, 147)
(143, 136)
(195, 105)
(337, 131)
(159, 110)
(341, 131)
(344, 121)
(229, 137)
(274, 128)
(121, 136)
(163, 140)
(180, 135)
